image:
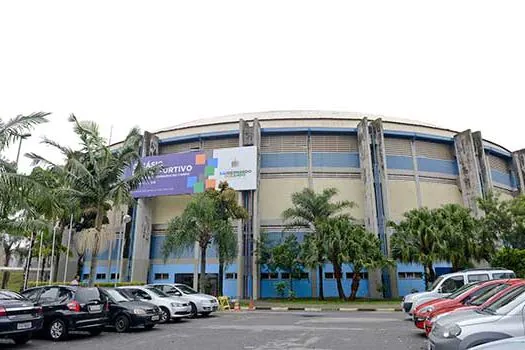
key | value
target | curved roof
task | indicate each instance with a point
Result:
(292, 114)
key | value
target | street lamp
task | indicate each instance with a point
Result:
(22, 138)
(125, 219)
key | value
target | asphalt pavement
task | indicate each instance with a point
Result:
(259, 330)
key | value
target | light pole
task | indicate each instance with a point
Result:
(22, 138)
(125, 219)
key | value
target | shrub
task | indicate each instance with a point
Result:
(280, 288)
(512, 259)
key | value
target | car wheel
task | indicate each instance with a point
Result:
(22, 339)
(95, 331)
(122, 323)
(57, 330)
(164, 315)
(206, 314)
(193, 312)
(149, 326)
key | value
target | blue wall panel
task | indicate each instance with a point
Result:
(284, 160)
(157, 242)
(335, 160)
(502, 178)
(437, 166)
(399, 162)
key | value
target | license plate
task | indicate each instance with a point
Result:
(95, 308)
(155, 318)
(25, 325)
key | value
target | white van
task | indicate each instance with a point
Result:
(447, 284)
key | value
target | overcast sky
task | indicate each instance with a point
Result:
(457, 64)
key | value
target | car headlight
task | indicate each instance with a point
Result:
(176, 304)
(427, 309)
(451, 331)
(139, 311)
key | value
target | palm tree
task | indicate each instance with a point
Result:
(206, 220)
(98, 176)
(416, 240)
(308, 209)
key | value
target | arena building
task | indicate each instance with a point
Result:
(386, 166)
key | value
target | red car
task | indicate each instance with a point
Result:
(482, 300)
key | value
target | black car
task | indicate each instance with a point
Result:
(19, 317)
(70, 308)
(125, 313)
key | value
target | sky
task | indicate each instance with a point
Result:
(154, 64)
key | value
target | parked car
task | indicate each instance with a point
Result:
(482, 301)
(449, 283)
(203, 304)
(506, 344)
(125, 313)
(171, 307)
(19, 317)
(465, 329)
(69, 308)
(461, 297)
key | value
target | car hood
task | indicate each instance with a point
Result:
(467, 317)
(200, 296)
(416, 296)
(432, 302)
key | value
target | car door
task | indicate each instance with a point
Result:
(49, 300)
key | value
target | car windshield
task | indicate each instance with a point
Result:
(435, 284)
(462, 290)
(506, 303)
(487, 295)
(116, 295)
(7, 295)
(157, 292)
(185, 289)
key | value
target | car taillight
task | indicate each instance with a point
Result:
(73, 306)
(2, 311)
(39, 310)
(107, 306)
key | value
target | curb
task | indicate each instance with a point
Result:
(317, 309)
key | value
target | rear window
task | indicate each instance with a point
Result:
(503, 275)
(7, 295)
(85, 295)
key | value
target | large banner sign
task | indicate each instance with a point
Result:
(194, 172)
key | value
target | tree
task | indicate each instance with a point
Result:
(98, 176)
(512, 259)
(416, 239)
(205, 220)
(285, 257)
(308, 208)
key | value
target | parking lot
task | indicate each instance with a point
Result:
(260, 330)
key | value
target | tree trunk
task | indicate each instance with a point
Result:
(80, 265)
(338, 275)
(355, 285)
(430, 275)
(5, 275)
(28, 263)
(291, 285)
(321, 278)
(94, 250)
(203, 280)
(221, 276)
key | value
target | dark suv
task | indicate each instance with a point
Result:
(19, 317)
(70, 308)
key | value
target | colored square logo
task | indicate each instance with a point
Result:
(210, 183)
(200, 159)
(198, 187)
(214, 162)
(209, 171)
(192, 180)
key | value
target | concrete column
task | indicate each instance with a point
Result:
(518, 165)
(256, 226)
(314, 271)
(416, 173)
(243, 129)
(485, 174)
(141, 237)
(469, 179)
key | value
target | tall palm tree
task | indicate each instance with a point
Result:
(309, 208)
(98, 176)
(416, 239)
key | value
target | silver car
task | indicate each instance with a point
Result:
(507, 344)
(503, 319)
(203, 304)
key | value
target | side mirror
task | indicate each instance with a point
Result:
(440, 290)
(177, 293)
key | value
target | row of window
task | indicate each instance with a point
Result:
(410, 275)
(101, 276)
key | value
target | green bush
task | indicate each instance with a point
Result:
(280, 288)
(512, 259)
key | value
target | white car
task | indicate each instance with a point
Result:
(203, 304)
(171, 307)
(449, 283)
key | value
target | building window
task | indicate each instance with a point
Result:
(350, 275)
(85, 276)
(101, 276)
(269, 275)
(231, 276)
(410, 275)
(285, 276)
(329, 275)
(162, 276)
(301, 276)
(114, 276)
